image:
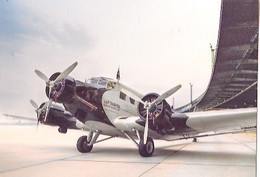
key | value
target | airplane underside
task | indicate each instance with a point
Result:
(85, 143)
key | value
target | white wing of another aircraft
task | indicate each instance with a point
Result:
(20, 117)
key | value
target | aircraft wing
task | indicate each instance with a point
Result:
(20, 117)
(210, 123)
(222, 119)
(197, 124)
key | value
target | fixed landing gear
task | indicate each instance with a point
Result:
(195, 140)
(83, 145)
(146, 150)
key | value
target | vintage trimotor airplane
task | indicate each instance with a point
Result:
(105, 106)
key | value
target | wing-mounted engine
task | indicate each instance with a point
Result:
(62, 91)
(155, 112)
(62, 119)
(158, 115)
(54, 116)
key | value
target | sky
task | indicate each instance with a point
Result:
(157, 44)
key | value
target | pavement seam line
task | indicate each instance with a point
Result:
(241, 142)
(36, 164)
(163, 160)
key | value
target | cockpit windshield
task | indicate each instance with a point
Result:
(102, 82)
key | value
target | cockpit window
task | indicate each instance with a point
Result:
(93, 81)
(102, 82)
(111, 84)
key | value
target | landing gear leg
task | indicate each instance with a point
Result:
(146, 150)
(195, 140)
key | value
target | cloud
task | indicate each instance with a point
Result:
(21, 24)
(157, 45)
(27, 40)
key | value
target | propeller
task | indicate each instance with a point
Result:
(39, 110)
(61, 76)
(149, 105)
(51, 83)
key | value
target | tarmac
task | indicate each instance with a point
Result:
(43, 152)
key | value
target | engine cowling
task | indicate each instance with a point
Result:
(155, 112)
(159, 114)
(58, 117)
(62, 91)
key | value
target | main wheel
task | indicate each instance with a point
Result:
(83, 145)
(146, 150)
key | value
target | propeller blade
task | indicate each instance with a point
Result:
(66, 72)
(37, 124)
(50, 88)
(166, 95)
(146, 126)
(47, 109)
(37, 110)
(41, 75)
(34, 104)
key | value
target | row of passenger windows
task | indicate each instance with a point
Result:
(123, 97)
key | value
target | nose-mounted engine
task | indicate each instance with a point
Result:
(159, 114)
(63, 90)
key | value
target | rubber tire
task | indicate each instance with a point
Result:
(83, 145)
(146, 150)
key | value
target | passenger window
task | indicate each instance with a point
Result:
(122, 96)
(132, 101)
